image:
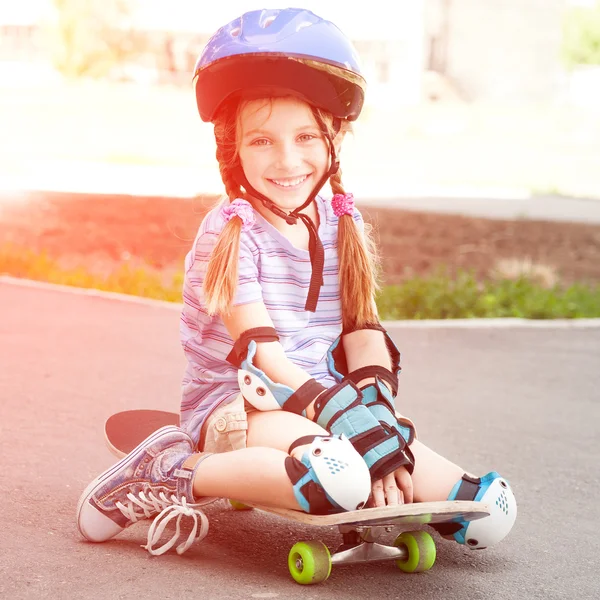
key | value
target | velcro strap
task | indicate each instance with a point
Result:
(366, 441)
(257, 334)
(335, 401)
(381, 411)
(302, 441)
(375, 371)
(468, 489)
(310, 495)
(303, 396)
(391, 461)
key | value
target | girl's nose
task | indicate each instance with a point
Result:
(288, 156)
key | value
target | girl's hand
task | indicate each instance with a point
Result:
(395, 488)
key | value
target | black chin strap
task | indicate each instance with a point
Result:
(315, 246)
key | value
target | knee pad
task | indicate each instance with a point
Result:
(331, 477)
(490, 489)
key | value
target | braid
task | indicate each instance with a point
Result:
(358, 268)
(336, 182)
(225, 157)
(221, 276)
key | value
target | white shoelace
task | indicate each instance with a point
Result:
(168, 509)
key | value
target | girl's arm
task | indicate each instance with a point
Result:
(270, 356)
(367, 347)
(363, 348)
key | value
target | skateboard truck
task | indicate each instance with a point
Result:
(359, 545)
(311, 562)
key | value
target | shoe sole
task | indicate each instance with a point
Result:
(89, 490)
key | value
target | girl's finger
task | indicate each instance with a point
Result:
(391, 490)
(405, 484)
(378, 495)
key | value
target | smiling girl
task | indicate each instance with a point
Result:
(289, 397)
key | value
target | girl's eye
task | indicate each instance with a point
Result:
(306, 137)
(260, 142)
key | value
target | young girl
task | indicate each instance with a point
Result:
(289, 394)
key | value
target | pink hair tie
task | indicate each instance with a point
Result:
(239, 208)
(343, 204)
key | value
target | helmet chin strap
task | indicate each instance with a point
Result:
(315, 246)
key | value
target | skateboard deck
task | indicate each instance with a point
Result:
(311, 562)
(125, 430)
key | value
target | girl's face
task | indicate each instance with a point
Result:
(282, 150)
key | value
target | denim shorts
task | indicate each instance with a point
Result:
(226, 427)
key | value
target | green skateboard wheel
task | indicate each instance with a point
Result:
(239, 505)
(421, 551)
(309, 562)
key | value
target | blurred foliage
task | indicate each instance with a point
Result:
(92, 37)
(581, 35)
(439, 296)
(141, 281)
(462, 296)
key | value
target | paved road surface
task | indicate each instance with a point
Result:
(522, 400)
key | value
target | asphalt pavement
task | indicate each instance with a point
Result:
(521, 398)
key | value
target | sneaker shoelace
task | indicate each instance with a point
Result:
(167, 509)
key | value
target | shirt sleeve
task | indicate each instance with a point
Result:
(248, 286)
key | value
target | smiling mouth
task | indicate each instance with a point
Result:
(290, 182)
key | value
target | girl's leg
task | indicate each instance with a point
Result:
(164, 475)
(257, 473)
(279, 429)
(434, 476)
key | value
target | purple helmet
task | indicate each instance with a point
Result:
(278, 52)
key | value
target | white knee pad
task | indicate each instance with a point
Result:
(331, 476)
(495, 491)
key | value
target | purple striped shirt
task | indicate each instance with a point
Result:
(275, 272)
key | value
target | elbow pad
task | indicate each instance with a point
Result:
(338, 366)
(265, 394)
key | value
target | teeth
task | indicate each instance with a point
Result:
(290, 182)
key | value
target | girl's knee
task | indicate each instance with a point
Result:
(279, 429)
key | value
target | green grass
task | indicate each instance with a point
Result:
(439, 296)
(136, 281)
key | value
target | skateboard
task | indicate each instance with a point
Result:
(309, 562)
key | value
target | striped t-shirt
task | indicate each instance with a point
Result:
(273, 271)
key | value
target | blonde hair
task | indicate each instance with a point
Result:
(358, 258)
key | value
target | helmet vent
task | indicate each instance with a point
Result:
(235, 32)
(335, 466)
(268, 21)
(303, 25)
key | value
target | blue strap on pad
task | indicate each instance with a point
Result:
(326, 408)
(377, 397)
(341, 411)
